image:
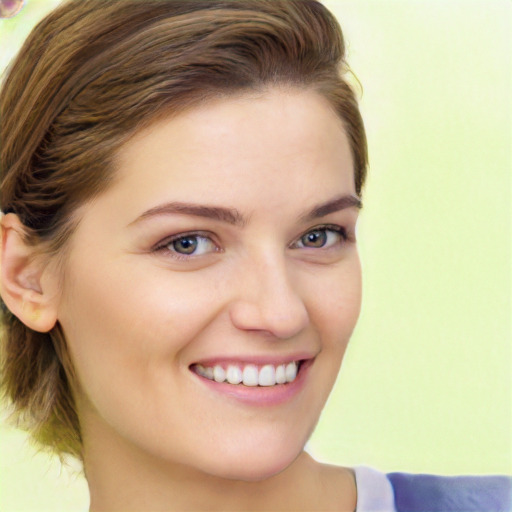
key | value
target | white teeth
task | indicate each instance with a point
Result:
(291, 372)
(250, 375)
(280, 374)
(234, 375)
(267, 376)
(200, 370)
(219, 374)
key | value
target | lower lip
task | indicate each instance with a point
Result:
(261, 395)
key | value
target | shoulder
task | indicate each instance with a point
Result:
(405, 492)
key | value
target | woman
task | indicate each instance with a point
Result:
(181, 183)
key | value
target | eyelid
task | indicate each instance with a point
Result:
(340, 230)
(163, 244)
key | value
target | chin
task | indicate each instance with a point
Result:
(253, 465)
(254, 472)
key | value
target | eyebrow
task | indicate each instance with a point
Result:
(234, 217)
(335, 205)
(219, 213)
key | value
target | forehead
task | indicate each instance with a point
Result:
(245, 146)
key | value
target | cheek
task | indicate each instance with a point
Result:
(120, 330)
(336, 303)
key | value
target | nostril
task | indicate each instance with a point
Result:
(281, 318)
(266, 299)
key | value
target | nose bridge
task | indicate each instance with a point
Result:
(267, 297)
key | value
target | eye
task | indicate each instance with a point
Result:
(192, 244)
(323, 237)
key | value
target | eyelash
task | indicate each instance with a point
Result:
(339, 230)
(164, 245)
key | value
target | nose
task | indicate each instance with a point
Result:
(267, 301)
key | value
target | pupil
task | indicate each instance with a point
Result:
(185, 245)
(315, 239)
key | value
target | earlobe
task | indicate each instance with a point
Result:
(21, 278)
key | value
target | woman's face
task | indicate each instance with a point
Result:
(225, 248)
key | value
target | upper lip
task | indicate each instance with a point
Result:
(256, 360)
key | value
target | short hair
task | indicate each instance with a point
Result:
(90, 76)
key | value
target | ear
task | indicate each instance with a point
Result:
(26, 284)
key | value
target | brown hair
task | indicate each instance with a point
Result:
(89, 76)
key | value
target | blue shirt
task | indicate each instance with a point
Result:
(404, 492)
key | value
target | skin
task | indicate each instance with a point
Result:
(137, 314)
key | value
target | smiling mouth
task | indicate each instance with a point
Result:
(250, 375)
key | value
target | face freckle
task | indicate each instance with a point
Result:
(199, 257)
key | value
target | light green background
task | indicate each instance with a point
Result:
(426, 383)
